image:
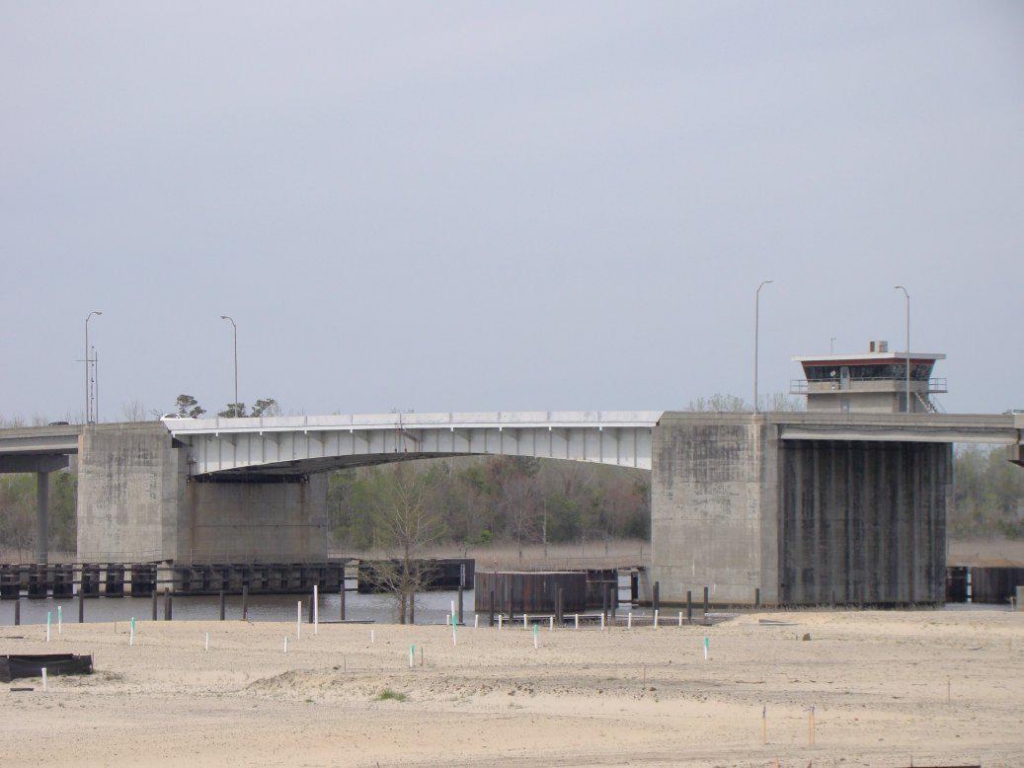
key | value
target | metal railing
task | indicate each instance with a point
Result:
(802, 386)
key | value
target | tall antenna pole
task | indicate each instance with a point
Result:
(234, 329)
(88, 409)
(757, 332)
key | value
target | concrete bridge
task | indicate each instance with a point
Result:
(801, 508)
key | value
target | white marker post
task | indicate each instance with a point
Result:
(49, 615)
(476, 620)
(298, 620)
(207, 647)
(602, 621)
(535, 637)
(131, 633)
(316, 610)
(455, 621)
(576, 618)
(371, 637)
(655, 618)
(500, 619)
(680, 618)
(412, 656)
(286, 643)
(44, 679)
(60, 619)
(629, 620)
(705, 649)
(551, 623)
(526, 618)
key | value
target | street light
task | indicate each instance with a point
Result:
(87, 406)
(757, 331)
(907, 295)
(235, 330)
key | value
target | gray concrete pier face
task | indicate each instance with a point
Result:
(131, 485)
(42, 517)
(863, 522)
(136, 503)
(258, 520)
(714, 507)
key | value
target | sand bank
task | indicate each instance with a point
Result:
(888, 688)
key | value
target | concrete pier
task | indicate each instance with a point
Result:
(137, 503)
(737, 509)
(42, 517)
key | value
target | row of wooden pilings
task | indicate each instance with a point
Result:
(144, 579)
(168, 606)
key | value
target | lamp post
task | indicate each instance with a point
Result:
(757, 333)
(234, 329)
(88, 409)
(907, 296)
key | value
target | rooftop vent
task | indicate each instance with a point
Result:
(878, 347)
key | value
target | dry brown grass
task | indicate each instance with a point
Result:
(986, 552)
(616, 553)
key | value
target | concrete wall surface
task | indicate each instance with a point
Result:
(131, 482)
(863, 522)
(260, 520)
(136, 503)
(714, 507)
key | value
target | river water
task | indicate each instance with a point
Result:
(431, 608)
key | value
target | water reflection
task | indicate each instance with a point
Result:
(431, 608)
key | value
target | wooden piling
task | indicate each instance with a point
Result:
(17, 612)
(154, 599)
(757, 597)
(656, 603)
(705, 601)
(312, 611)
(81, 606)
(491, 617)
(245, 602)
(462, 587)
(558, 605)
(689, 607)
(341, 595)
(168, 607)
(223, 605)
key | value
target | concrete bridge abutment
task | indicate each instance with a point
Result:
(806, 522)
(137, 503)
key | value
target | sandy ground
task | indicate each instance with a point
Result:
(889, 689)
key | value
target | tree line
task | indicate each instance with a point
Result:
(483, 500)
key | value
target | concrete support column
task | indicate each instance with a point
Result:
(42, 516)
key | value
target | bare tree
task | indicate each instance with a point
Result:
(133, 410)
(406, 519)
(520, 505)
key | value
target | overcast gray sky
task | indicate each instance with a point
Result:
(502, 206)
